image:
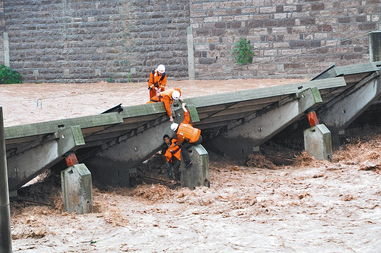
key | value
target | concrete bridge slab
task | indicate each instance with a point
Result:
(242, 140)
(26, 165)
(339, 113)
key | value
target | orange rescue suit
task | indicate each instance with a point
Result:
(166, 98)
(159, 79)
(186, 132)
(173, 151)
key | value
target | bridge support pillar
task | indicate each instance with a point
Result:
(76, 186)
(318, 142)
(198, 173)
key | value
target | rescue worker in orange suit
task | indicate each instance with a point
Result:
(187, 136)
(157, 81)
(168, 97)
(172, 153)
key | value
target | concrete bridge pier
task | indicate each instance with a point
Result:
(76, 187)
(318, 142)
(198, 174)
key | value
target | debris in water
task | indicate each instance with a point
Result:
(260, 161)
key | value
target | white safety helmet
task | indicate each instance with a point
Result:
(161, 68)
(176, 95)
(174, 126)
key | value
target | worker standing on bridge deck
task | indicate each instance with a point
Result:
(187, 136)
(172, 154)
(157, 81)
(168, 97)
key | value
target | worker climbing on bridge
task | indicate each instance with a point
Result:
(172, 154)
(157, 81)
(187, 135)
(168, 97)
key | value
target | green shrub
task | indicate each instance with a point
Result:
(243, 52)
(8, 75)
(110, 80)
(129, 77)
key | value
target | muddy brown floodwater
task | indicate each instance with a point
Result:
(310, 206)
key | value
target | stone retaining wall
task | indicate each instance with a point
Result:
(122, 40)
(84, 40)
(292, 38)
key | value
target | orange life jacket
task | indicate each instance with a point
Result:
(160, 79)
(176, 151)
(188, 132)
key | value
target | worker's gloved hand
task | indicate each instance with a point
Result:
(184, 108)
(171, 118)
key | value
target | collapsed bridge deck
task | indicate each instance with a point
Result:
(112, 143)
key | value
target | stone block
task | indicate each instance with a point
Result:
(76, 187)
(279, 8)
(281, 15)
(361, 18)
(307, 21)
(317, 7)
(219, 25)
(325, 28)
(367, 26)
(271, 9)
(318, 142)
(344, 19)
(207, 60)
(289, 8)
(198, 174)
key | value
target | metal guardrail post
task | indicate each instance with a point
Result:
(5, 228)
